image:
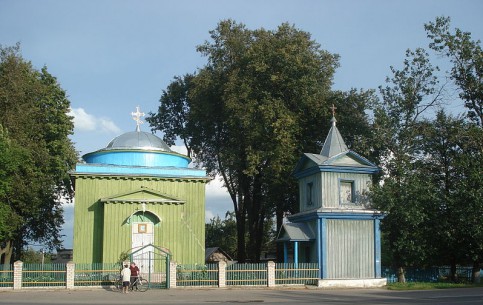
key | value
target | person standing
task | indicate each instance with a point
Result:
(134, 274)
(126, 276)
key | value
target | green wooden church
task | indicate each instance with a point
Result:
(139, 197)
(335, 227)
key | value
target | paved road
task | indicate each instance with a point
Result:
(463, 296)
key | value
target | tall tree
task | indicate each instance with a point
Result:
(453, 159)
(467, 58)
(409, 94)
(34, 109)
(10, 163)
(253, 109)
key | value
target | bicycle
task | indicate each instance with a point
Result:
(139, 284)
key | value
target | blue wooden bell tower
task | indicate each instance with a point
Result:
(335, 226)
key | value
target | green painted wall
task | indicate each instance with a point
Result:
(102, 230)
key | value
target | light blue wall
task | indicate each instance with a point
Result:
(137, 158)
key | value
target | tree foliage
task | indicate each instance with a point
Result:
(248, 115)
(34, 111)
(222, 233)
(466, 57)
(432, 186)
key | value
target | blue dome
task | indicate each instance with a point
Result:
(137, 148)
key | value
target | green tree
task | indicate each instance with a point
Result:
(467, 58)
(10, 163)
(455, 165)
(173, 114)
(222, 233)
(31, 256)
(253, 109)
(35, 110)
(403, 192)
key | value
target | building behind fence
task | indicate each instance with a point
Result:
(73, 276)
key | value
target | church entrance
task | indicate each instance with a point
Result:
(153, 263)
(142, 235)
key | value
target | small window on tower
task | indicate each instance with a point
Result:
(346, 192)
(309, 193)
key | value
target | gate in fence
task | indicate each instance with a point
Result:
(153, 264)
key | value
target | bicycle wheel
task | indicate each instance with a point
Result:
(143, 285)
(118, 285)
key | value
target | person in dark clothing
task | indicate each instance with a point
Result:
(134, 274)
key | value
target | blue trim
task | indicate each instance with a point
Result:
(335, 215)
(319, 245)
(167, 171)
(137, 158)
(377, 249)
(296, 253)
(336, 169)
(323, 233)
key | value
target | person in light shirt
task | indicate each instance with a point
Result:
(126, 276)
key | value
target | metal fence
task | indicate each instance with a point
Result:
(429, 275)
(292, 274)
(197, 275)
(97, 274)
(247, 275)
(6, 275)
(43, 275)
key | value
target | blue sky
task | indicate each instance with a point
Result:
(111, 56)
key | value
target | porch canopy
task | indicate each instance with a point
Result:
(294, 232)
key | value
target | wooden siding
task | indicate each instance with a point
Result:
(350, 249)
(101, 232)
(330, 186)
(325, 189)
(316, 192)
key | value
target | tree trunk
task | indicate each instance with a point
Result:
(240, 234)
(475, 272)
(453, 276)
(400, 275)
(6, 254)
(279, 217)
(255, 221)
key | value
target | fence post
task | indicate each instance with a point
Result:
(17, 275)
(70, 274)
(222, 274)
(172, 274)
(271, 274)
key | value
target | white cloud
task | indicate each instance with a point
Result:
(180, 149)
(84, 121)
(208, 216)
(215, 188)
(108, 126)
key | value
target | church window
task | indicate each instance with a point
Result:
(309, 193)
(346, 188)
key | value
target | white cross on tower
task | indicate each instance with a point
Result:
(136, 116)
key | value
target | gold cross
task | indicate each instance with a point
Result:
(333, 110)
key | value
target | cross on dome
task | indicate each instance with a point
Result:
(333, 110)
(136, 116)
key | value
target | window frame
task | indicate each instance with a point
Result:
(309, 196)
(353, 192)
